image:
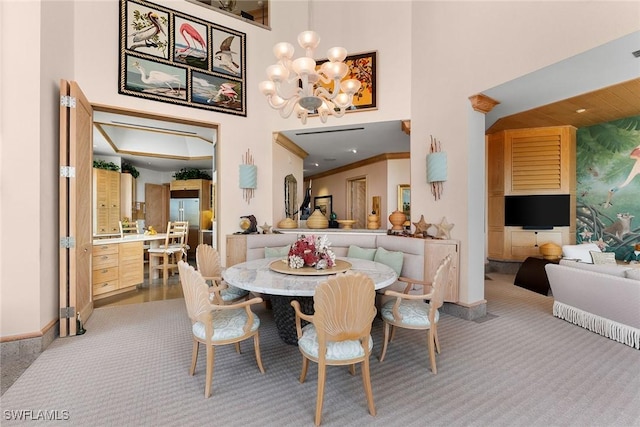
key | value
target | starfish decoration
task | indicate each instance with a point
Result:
(266, 228)
(421, 226)
(444, 229)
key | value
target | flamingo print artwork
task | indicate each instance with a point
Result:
(635, 170)
(191, 35)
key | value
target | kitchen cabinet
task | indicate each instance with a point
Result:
(117, 268)
(127, 196)
(523, 162)
(106, 202)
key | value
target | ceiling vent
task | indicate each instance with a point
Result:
(636, 53)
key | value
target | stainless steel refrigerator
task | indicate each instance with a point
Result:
(187, 209)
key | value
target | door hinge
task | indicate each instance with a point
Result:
(67, 312)
(67, 171)
(67, 101)
(67, 242)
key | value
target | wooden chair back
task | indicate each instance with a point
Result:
(208, 262)
(128, 228)
(196, 293)
(344, 309)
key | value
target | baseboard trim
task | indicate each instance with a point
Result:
(473, 311)
(30, 343)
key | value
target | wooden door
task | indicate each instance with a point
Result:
(358, 202)
(76, 151)
(156, 206)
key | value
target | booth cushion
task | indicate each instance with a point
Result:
(361, 253)
(278, 252)
(392, 259)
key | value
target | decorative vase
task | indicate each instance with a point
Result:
(287, 223)
(372, 222)
(397, 219)
(317, 220)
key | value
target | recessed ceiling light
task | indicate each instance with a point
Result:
(581, 110)
(316, 164)
(354, 151)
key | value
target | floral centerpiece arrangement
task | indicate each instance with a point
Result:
(312, 251)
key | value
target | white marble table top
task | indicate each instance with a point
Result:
(256, 276)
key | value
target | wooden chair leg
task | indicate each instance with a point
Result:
(194, 357)
(256, 346)
(238, 348)
(432, 354)
(352, 369)
(322, 368)
(385, 339)
(209, 375)
(305, 367)
(366, 381)
(165, 269)
(435, 335)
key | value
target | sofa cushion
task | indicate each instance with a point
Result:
(392, 259)
(580, 252)
(361, 253)
(633, 273)
(279, 252)
(614, 270)
(603, 257)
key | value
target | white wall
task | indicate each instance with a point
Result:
(284, 163)
(432, 56)
(463, 48)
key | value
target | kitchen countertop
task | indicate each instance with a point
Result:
(130, 238)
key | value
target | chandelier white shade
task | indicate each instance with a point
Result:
(294, 85)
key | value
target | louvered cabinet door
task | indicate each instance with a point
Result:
(540, 161)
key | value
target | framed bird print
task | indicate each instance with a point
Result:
(169, 56)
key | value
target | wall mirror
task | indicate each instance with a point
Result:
(404, 200)
(252, 11)
(290, 196)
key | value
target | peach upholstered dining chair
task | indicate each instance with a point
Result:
(339, 332)
(412, 312)
(209, 265)
(214, 325)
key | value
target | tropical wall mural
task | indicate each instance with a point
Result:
(608, 187)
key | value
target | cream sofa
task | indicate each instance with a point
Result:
(413, 265)
(604, 299)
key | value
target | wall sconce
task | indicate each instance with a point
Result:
(436, 168)
(248, 176)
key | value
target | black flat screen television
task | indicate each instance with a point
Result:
(537, 212)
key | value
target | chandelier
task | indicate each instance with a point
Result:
(296, 85)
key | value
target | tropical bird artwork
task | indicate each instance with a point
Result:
(226, 93)
(225, 56)
(635, 170)
(148, 29)
(191, 35)
(161, 80)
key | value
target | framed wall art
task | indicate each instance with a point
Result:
(324, 203)
(362, 67)
(169, 56)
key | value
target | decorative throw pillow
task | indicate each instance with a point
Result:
(361, 253)
(580, 252)
(633, 273)
(392, 259)
(603, 257)
(278, 252)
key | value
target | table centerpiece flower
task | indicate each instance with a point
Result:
(313, 251)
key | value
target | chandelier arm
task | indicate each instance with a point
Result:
(288, 107)
(322, 92)
(283, 91)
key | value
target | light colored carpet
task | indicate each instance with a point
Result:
(520, 367)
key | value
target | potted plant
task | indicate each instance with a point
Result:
(129, 168)
(188, 173)
(101, 164)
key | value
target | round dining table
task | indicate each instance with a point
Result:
(259, 276)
